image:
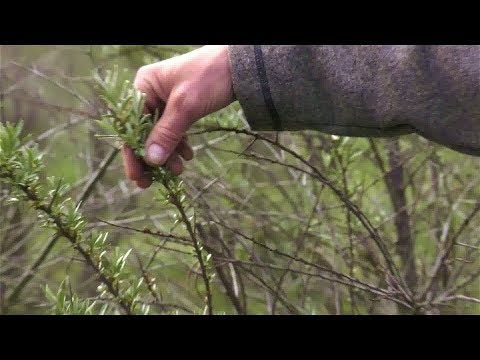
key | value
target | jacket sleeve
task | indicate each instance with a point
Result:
(367, 90)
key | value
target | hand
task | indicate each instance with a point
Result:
(186, 88)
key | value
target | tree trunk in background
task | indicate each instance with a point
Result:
(394, 179)
(395, 183)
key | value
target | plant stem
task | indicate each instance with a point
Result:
(175, 201)
(46, 251)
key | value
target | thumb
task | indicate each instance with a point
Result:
(180, 113)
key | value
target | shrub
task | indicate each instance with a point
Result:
(260, 223)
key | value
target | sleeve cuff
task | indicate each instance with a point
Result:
(250, 89)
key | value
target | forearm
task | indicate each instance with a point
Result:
(362, 90)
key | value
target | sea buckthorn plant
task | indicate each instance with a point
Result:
(258, 223)
(126, 120)
(21, 168)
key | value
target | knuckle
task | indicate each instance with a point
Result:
(140, 81)
(143, 78)
(145, 70)
(141, 73)
(185, 99)
(166, 136)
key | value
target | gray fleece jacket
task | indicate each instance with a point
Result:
(359, 90)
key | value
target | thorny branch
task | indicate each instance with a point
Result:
(351, 206)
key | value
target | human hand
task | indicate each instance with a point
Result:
(186, 88)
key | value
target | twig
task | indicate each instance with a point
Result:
(73, 236)
(180, 239)
(300, 260)
(395, 183)
(177, 203)
(56, 83)
(443, 255)
(50, 245)
(369, 288)
(353, 208)
(301, 243)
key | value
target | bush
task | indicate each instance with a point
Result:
(260, 223)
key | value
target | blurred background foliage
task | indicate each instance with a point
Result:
(277, 234)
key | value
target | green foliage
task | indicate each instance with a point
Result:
(126, 117)
(127, 121)
(252, 207)
(20, 168)
(69, 304)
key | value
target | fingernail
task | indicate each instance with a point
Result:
(156, 154)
